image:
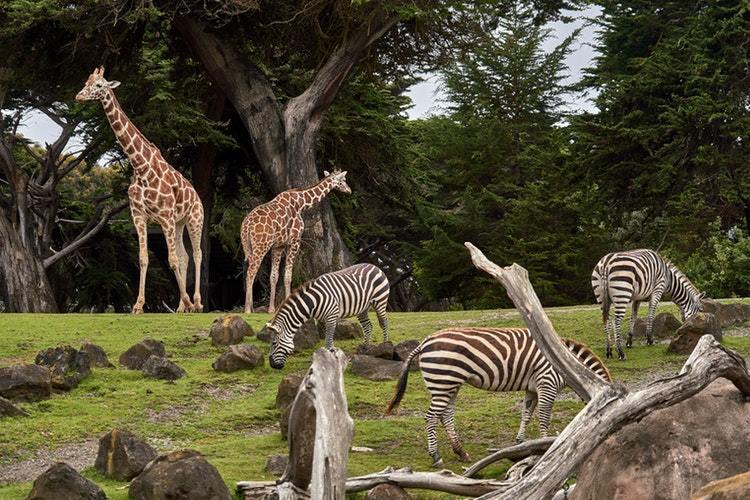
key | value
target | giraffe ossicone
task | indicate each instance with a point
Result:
(278, 226)
(158, 192)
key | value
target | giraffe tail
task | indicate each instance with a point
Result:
(402, 381)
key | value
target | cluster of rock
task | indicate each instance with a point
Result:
(683, 337)
(183, 474)
(311, 333)
(150, 357)
(231, 330)
(383, 361)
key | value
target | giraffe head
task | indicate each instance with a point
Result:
(338, 181)
(96, 86)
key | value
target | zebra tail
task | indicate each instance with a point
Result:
(402, 380)
(606, 300)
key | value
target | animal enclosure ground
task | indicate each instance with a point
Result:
(231, 418)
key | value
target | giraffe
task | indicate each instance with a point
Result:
(277, 226)
(157, 192)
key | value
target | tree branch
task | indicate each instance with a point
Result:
(86, 234)
(515, 452)
(80, 158)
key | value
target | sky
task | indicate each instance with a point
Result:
(426, 95)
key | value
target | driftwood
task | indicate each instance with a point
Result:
(320, 434)
(516, 452)
(610, 406)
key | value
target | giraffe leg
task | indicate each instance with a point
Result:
(140, 226)
(174, 263)
(529, 404)
(275, 261)
(546, 395)
(380, 308)
(253, 264)
(182, 255)
(449, 423)
(364, 320)
(195, 231)
(291, 254)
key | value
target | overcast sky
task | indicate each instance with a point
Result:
(425, 95)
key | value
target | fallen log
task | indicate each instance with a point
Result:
(610, 406)
(515, 452)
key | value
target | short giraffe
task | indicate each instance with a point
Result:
(277, 226)
(158, 192)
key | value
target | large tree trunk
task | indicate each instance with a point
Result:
(24, 279)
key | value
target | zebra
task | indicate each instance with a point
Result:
(329, 297)
(636, 276)
(493, 359)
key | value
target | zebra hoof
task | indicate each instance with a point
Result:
(609, 353)
(650, 342)
(520, 439)
(438, 464)
(621, 356)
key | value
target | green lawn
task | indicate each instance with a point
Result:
(231, 418)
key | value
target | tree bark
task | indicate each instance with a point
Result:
(26, 287)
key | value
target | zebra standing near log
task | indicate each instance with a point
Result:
(330, 297)
(623, 278)
(494, 359)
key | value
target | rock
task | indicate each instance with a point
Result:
(276, 464)
(97, 356)
(672, 452)
(229, 330)
(284, 421)
(288, 389)
(8, 409)
(162, 368)
(664, 327)
(402, 350)
(264, 334)
(260, 309)
(711, 306)
(377, 369)
(731, 488)
(25, 383)
(384, 350)
(62, 482)
(692, 330)
(183, 475)
(387, 492)
(67, 366)
(345, 330)
(138, 353)
(122, 455)
(733, 314)
(239, 357)
(307, 336)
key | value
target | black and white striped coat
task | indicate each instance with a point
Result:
(329, 297)
(629, 278)
(494, 359)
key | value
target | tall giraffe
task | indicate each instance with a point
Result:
(277, 226)
(157, 192)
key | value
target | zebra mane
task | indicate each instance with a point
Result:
(588, 357)
(295, 292)
(682, 277)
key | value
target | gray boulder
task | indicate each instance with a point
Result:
(25, 383)
(307, 336)
(62, 482)
(345, 330)
(162, 368)
(230, 330)
(264, 334)
(97, 356)
(67, 366)
(8, 409)
(276, 464)
(288, 388)
(183, 475)
(137, 354)
(402, 350)
(731, 488)
(733, 314)
(692, 330)
(122, 455)
(664, 327)
(672, 452)
(239, 357)
(387, 492)
(377, 369)
(384, 350)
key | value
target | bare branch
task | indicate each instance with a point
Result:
(80, 158)
(87, 233)
(516, 452)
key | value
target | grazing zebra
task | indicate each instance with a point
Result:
(329, 297)
(623, 278)
(494, 359)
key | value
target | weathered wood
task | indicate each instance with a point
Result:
(444, 480)
(610, 406)
(515, 452)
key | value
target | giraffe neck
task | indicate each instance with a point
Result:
(313, 195)
(139, 150)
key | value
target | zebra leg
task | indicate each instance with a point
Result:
(546, 395)
(382, 318)
(607, 333)
(619, 316)
(529, 404)
(438, 404)
(655, 299)
(634, 315)
(330, 330)
(449, 423)
(364, 320)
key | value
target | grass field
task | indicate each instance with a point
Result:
(231, 418)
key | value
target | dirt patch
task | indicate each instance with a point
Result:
(227, 392)
(77, 455)
(742, 330)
